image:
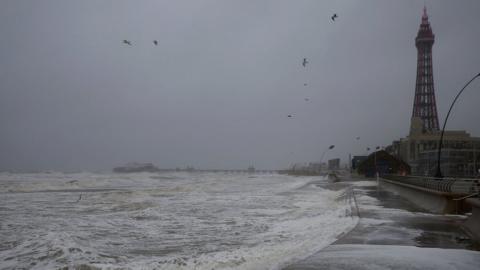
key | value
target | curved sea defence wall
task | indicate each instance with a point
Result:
(430, 200)
(440, 203)
(473, 222)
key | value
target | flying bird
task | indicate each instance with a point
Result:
(289, 116)
(127, 42)
(305, 84)
(307, 99)
(79, 198)
(305, 62)
(334, 17)
(155, 42)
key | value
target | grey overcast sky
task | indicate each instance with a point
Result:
(216, 91)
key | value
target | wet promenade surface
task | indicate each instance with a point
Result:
(393, 233)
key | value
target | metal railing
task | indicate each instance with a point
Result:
(454, 186)
(348, 195)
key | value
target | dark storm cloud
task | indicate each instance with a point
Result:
(216, 91)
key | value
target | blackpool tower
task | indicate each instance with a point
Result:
(424, 107)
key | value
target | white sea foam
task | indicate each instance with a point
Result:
(165, 221)
(396, 257)
(365, 183)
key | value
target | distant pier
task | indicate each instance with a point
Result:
(229, 171)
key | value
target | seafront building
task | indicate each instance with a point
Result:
(460, 152)
(334, 164)
(356, 160)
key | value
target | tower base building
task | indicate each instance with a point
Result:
(460, 153)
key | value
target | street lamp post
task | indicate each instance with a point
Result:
(325, 151)
(375, 156)
(438, 174)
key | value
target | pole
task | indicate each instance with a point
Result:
(375, 155)
(350, 155)
(474, 159)
(350, 162)
(438, 174)
(325, 151)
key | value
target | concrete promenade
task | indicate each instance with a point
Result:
(393, 233)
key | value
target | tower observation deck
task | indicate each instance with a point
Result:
(424, 106)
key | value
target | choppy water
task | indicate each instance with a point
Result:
(165, 221)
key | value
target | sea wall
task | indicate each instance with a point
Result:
(432, 201)
(473, 222)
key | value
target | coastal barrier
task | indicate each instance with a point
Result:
(472, 224)
(430, 200)
(453, 186)
(443, 196)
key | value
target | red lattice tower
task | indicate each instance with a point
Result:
(424, 106)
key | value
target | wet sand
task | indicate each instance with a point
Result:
(393, 233)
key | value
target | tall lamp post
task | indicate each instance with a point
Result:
(325, 151)
(438, 174)
(376, 170)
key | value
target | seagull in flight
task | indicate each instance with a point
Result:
(155, 42)
(305, 84)
(334, 16)
(307, 99)
(305, 62)
(127, 42)
(289, 116)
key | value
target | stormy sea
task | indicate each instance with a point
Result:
(175, 220)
